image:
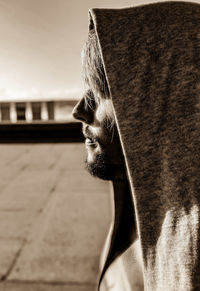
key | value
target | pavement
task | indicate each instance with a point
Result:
(53, 218)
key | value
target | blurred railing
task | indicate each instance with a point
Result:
(40, 132)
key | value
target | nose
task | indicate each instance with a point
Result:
(83, 112)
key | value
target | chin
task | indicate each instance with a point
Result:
(100, 168)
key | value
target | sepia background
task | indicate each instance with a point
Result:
(54, 217)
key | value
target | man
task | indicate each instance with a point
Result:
(141, 120)
(105, 158)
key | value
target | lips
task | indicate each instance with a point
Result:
(90, 139)
(90, 142)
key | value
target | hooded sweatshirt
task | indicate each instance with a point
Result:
(151, 56)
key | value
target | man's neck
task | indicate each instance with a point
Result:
(121, 190)
(123, 203)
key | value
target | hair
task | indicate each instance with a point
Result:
(94, 75)
(92, 66)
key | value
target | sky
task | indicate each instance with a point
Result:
(41, 43)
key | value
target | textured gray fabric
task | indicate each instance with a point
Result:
(151, 55)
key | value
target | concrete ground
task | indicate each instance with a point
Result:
(53, 219)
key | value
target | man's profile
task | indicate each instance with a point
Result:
(105, 159)
(141, 121)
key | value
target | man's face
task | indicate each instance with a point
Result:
(104, 155)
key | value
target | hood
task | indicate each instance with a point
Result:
(151, 56)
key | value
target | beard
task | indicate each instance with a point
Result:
(101, 168)
(103, 163)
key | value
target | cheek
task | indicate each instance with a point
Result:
(104, 116)
(103, 119)
(104, 111)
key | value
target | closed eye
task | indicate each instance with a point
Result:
(90, 102)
